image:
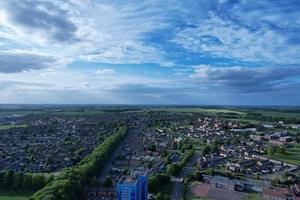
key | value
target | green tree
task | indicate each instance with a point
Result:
(173, 169)
(95, 183)
(153, 183)
(205, 150)
(282, 149)
(270, 149)
(198, 176)
(108, 182)
(38, 181)
(17, 181)
(8, 179)
(210, 171)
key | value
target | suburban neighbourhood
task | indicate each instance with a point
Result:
(181, 155)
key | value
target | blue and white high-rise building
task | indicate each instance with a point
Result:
(133, 188)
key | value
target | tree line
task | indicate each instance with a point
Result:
(70, 183)
(15, 180)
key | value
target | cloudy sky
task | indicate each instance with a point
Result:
(241, 52)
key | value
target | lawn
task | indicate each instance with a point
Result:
(292, 155)
(254, 196)
(15, 195)
(4, 127)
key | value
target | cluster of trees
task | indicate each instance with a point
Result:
(161, 196)
(157, 180)
(174, 169)
(69, 184)
(108, 182)
(298, 137)
(15, 181)
(271, 150)
(206, 149)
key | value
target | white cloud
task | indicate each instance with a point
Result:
(103, 32)
(105, 72)
(223, 38)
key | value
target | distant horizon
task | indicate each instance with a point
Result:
(153, 105)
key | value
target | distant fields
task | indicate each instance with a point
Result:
(281, 113)
(292, 156)
(4, 127)
(197, 109)
(21, 112)
(15, 195)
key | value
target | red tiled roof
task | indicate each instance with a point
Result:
(278, 192)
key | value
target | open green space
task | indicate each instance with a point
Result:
(21, 112)
(15, 195)
(292, 155)
(197, 109)
(4, 127)
(281, 113)
(254, 196)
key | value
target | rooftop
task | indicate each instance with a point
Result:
(128, 179)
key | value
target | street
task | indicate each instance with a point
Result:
(177, 193)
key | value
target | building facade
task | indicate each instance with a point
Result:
(133, 188)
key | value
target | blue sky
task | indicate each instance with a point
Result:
(227, 52)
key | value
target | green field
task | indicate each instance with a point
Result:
(254, 196)
(21, 112)
(15, 195)
(4, 127)
(281, 113)
(292, 156)
(199, 110)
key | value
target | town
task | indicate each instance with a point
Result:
(167, 155)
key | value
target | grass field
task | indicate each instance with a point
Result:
(250, 121)
(254, 196)
(4, 127)
(292, 156)
(195, 109)
(21, 112)
(15, 195)
(281, 113)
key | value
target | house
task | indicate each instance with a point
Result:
(178, 140)
(226, 183)
(246, 163)
(279, 193)
(286, 139)
(100, 193)
(281, 133)
(296, 189)
(257, 138)
(295, 126)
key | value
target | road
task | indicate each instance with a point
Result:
(108, 164)
(177, 193)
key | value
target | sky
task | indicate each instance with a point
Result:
(200, 52)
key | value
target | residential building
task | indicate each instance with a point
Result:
(133, 188)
